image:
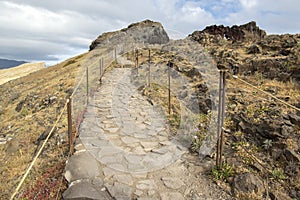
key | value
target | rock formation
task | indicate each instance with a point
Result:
(271, 62)
(234, 33)
(251, 50)
(146, 31)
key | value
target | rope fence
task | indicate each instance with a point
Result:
(266, 93)
(92, 72)
(77, 102)
(38, 153)
(264, 167)
(221, 111)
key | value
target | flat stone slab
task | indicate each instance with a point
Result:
(172, 182)
(112, 130)
(149, 145)
(124, 178)
(129, 140)
(172, 196)
(85, 190)
(81, 166)
(120, 190)
(146, 184)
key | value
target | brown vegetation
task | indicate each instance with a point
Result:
(29, 107)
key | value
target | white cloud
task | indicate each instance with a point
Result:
(29, 19)
(275, 18)
(193, 13)
(48, 29)
(248, 4)
(183, 16)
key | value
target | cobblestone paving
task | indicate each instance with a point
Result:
(125, 151)
(128, 134)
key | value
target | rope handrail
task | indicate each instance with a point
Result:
(266, 93)
(38, 153)
(77, 86)
(51, 131)
(45, 141)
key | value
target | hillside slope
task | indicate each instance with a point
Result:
(263, 136)
(29, 107)
(19, 71)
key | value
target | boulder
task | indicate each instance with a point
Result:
(20, 106)
(291, 156)
(248, 183)
(295, 119)
(254, 49)
(81, 166)
(284, 76)
(276, 195)
(284, 52)
(269, 129)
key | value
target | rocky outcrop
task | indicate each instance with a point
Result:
(251, 50)
(234, 33)
(266, 126)
(145, 32)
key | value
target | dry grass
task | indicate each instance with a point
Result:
(287, 91)
(256, 107)
(19, 71)
(25, 126)
(159, 95)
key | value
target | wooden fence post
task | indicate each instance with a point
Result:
(149, 70)
(136, 58)
(102, 64)
(87, 85)
(218, 122)
(169, 86)
(100, 67)
(133, 53)
(221, 117)
(70, 125)
(116, 55)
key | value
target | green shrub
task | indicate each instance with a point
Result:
(278, 174)
(224, 172)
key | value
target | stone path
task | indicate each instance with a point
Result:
(124, 150)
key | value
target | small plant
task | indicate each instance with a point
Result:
(69, 62)
(197, 142)
(224, 172)
(236, 145)
(293, 68)
(278, 174)
(174, 120)
(46, 186)
(238, 134)
(259, 77)
(200, 131)
(25, 111)
(267, 144)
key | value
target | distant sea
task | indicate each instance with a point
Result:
(5, 63)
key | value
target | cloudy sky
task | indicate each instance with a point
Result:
(53, 30)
